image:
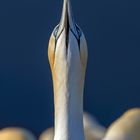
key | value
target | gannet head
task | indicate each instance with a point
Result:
(67, 46)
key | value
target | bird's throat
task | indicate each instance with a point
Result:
(69, 113)
(68, 74)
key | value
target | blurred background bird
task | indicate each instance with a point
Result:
(92, 128)
(48, 134)
(127, 127)
(15, 133)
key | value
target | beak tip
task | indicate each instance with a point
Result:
(67, 21)
(66, 17)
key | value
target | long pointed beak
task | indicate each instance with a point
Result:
(67, 20)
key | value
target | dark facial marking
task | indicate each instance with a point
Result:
(68, 29)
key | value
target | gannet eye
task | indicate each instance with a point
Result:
(56, 31)
(77, 34)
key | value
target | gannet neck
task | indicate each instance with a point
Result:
(68, 78)
(68, 58)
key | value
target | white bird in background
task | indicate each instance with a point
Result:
(127, 127)
(48, 134)
(14, 133)
(68, 59)
(92, 129)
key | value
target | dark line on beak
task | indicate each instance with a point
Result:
(67, 33)
(56, 39)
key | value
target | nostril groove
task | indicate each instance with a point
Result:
(67, 34)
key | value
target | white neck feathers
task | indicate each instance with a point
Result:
(68, 81)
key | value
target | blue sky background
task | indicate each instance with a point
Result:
(112, 29)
